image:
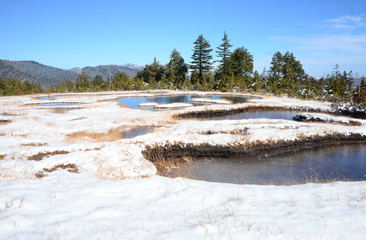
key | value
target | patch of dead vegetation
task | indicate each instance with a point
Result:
(173, 168)
(2, 156)
(70, 167)
(121, 105)
(79, 118)
(40, 156)
(111, 136)
(40, 174)
(33, 144)
(239, 131)
(58, 110)
(7, 114)
(5, 121)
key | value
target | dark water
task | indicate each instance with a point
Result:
(258, 114)
(137, 132)
(347, 162)
(133, 102)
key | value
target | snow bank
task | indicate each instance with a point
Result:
(210, 100)
(318, 117)
(77, 207)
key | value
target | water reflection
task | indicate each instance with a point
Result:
(133, 102)
(316, 165)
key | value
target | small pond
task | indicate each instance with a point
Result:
(50, 97)
(137, 132)
(346, 162)
(133, 102)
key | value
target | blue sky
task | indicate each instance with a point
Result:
(75, 33)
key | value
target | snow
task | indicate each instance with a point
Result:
(71, 206)
(117, 194)
(327, 118)
(173, 105)
(148, 104)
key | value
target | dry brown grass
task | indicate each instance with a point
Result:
(174, 167)
(2, 156)
(239, 131)
(79, 118)
(5, 121)
(112, 135)
(58, 110)
(33, 144)
(71, 167)
(39, 174)
(40, 156)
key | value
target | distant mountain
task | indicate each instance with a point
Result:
(35, 72)
(47, 75)
(109, 70)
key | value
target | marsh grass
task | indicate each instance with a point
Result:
(33, 144)
(110, 136)
(5, 121)
(40, 156)
(71, 167)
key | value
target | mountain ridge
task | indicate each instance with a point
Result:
(48, 75)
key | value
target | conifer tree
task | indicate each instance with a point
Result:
(223, 52)
(201, 58)
(82, 82)
(177, 68)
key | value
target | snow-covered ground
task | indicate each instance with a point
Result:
(111, 191)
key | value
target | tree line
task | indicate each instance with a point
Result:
(233, 72)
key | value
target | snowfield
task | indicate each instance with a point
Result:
(66, 173)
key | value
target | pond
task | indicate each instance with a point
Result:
(347, 162)
(137, 132)
(133, 102)
(50, 97)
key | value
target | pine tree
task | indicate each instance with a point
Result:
(176, 68)
(152, 73)
(201, 58)
(98, 83)
(241, 66)
(363, 90)
(82, 82)
(223, 52)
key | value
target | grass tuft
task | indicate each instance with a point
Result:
(40, 156)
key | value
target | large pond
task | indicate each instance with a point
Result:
(346, 162)
(133, 102)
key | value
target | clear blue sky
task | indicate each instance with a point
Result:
(71, 33)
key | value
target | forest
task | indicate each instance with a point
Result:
(232, 72)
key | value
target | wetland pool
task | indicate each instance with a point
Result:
(343, 163)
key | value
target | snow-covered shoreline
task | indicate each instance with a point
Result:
(95, 202)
